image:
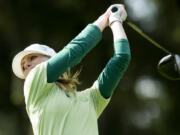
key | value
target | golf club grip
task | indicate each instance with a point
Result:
(138, 30)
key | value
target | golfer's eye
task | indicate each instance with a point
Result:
(33, 57)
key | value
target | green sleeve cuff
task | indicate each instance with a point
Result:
(121, 46)
(91, 28)
(95, 28)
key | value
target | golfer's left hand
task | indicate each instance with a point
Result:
(103, 21)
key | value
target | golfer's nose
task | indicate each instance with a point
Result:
(27, 65)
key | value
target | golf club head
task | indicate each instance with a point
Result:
(169, 67)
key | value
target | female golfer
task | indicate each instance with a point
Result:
(52, 102)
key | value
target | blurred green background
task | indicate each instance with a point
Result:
(144, 102)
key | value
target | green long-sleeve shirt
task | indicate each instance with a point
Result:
(53, 111)
(115, 68)
(73, 53)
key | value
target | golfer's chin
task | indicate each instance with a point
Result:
(27, 72)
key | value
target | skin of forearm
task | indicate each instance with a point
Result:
(118, 31)
(102, 21)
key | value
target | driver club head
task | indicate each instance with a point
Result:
(169, 67)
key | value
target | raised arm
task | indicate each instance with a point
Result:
(117, 65)
(73, 53)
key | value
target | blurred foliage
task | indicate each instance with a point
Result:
(144, 102)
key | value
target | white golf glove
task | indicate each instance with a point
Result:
(118, 13)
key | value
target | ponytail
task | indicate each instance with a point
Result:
(70, 81)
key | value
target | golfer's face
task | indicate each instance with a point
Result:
(30, 61)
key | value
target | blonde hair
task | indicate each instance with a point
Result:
(70, 81)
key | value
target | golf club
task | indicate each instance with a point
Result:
(168, 66)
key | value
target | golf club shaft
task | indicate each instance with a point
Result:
(138, 30)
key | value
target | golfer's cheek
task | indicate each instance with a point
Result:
(26, 73)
